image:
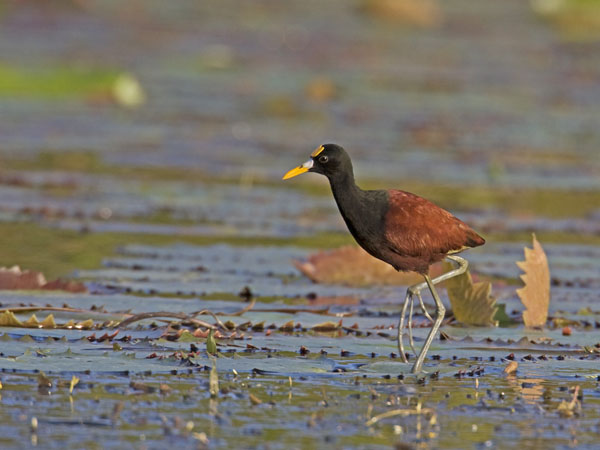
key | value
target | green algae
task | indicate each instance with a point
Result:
(53, 83)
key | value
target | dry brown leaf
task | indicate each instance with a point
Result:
(472, 303)
(65, 285)
(535, 295)
(511, 368)
(353, 266)
(15, 278)
(254, 399)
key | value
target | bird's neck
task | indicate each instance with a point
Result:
(347, 194)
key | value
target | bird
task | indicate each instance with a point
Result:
(402, 229)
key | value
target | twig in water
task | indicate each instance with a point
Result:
(182, 316)
(398, 412)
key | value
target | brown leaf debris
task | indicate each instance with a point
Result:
(472, 303)
(16, 279)
(511, 368)
(535, 295)
(353, 266)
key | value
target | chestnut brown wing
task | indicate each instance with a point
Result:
(418, 228)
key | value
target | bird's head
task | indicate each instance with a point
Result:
(329, 160)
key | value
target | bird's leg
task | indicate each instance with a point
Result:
(401, 326)
(410, 333)
(410, 293)
(463, 264)
(416, 290)
(440, 309)
(423, 306)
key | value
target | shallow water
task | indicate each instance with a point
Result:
(339, 379)
(493, 115)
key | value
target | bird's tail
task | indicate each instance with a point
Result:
(473, 239)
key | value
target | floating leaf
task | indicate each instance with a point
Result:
(287, 327)
(211, 344)
(230, 325)
(48, 322)
(327, 326)
(32, 322)
(535, 295)
(472, 303)
(85, 325)
(8, 319)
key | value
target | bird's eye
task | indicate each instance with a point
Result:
(323, 159)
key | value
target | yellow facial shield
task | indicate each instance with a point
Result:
(299, 170)
(317, 151)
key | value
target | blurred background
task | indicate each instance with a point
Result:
(153, 121)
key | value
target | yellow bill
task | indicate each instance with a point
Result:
(299, 170)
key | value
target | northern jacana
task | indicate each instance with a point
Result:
(406, 231)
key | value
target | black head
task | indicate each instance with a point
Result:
(330, 160)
